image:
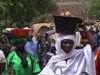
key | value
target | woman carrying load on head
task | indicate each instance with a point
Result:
(22, 63)
(70, 61)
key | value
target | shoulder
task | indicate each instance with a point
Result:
(87, 50)
(34, 41)
(27, 43)
(87, 47)
(11, 54)
(98, 51)
(54, 58)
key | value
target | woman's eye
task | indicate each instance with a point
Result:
(70, 42)
(65, 42)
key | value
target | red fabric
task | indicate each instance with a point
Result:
(84, 35)
(97, 62)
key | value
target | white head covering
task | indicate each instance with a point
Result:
(58, 43)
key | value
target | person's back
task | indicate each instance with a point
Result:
(31, 47)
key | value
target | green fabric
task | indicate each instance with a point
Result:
(13, 41)
(18, 69)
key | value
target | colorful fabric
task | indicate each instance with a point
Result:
(73, 63)
(14, 40)
(18, 69)
(96, 38)
(31, 47)
(97, 62)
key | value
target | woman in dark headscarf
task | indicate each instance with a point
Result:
(23, 63)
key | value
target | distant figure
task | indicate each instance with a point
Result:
(40, 50)
(31, 46)
(2, 61)
(97, 61)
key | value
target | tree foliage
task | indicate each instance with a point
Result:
(21, 13)
(93, 9)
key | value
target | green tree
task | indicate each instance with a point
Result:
(93, 9)
(21, 13)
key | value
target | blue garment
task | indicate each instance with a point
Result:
(96, 38)
(31, 47)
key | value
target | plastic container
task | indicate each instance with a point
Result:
(17, 33)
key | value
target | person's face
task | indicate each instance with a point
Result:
(39, 38)
(20, 45)
(67, 45)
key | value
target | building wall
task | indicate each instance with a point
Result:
(76, 7)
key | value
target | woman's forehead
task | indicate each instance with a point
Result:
(20, 41)
(68, 40)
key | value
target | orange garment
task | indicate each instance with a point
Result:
(97, 62)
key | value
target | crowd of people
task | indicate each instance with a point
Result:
(71, 55)
(25, 56)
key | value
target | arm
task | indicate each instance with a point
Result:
(90, 37)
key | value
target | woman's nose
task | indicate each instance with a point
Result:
(68, 44)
